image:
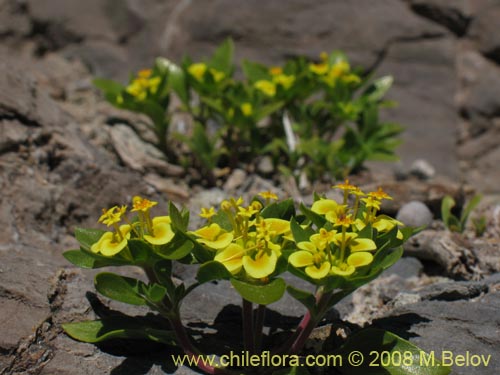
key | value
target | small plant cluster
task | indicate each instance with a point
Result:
(317, 117)
(334, 246)
(458, 224)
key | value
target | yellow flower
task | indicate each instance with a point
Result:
(153, 84)
(267, 87)
(246, 109)
(323, 56)
(351, 78)
(379, 194)
(231, 257)
(268, 195)
(276, 70)
(313, 259)
(218, 75)
(144, 73)
(359, 259)
(197, 70)
(112, 243)
(319, 69)
(323, 206)
(261, 265)
(112, 215)
(162, 232)
(346, 186)
(142, 204)
(207, 213)
(339, 68)
(343, 220)
(372, 202)
(214, 236)
(323, 238)
(381, 223)
(351, 241)
(138, 89)
(343, 269)
(284, 80)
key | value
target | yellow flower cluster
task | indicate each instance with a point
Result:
(198, 70)
(339, 250)
(156, 231)
(278, 78)
(253, 244)
(332, 73)
(145, 83)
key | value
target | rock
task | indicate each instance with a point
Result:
(422, 169)
(406, 267)
(235, 180)
(454, 16)
(453, 291)
(265, 166)
(415, 214)
(483, 31)
(403, 299)
(448, 250)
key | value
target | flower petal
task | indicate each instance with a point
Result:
(318, 273)
(209, 232)
(349, 270)
(110, 248)
(262, 266)
(301, 259)
(231, 258)
(162, 219)
(359, 259)
(221, 242)
(324, 206)
(278, 226)
(362, 244)
(96, 247)
(163, 234)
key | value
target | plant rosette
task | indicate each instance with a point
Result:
(335, 246)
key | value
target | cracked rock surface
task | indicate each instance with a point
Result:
(65, 154)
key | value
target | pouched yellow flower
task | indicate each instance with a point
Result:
(112, 243)
(313, 259)
(339, 68)
(381, 223)
(268, 195)
(353, 242)
(213, 236)
(162, 232)
(231, 257)
(112, 216)
(138, 89)
(275, 70)
(278, 226)
(343, 220)
(197, 70)
(267, 87)
(286, 81)
(319, 69)
(217, 74)
(261, 265)
(142, 204)
(207, 213)
(246, 109)
(323, 206)
(359, 259)
(343, 269)
(323, 238)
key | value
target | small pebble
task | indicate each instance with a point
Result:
(415, 214)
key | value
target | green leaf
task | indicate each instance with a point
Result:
(315, 218)
(305, 298)
(255, 71)
(222, 58)
(261, 294)
(140, 250)
(176, 78)
(88, 237)
(156, 292)
(94, 331)
(85, 259)
(446, 205)
(468, 209)
(212, 270)
(378, 89)
(400, 357)
(299, 234)
(281, 210)
(108, 86)
(119, 288)
(176, 249)
(178, 221)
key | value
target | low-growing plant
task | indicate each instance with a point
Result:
(453, 222)
(321, 118)
(336, 247)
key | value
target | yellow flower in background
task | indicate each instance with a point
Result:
(246, 109)
(266, 87)
(142, 204)
(161, 231)
(351, 78)
(346, 186)
(339, 69)
(351, 241)
(197, 70)
(372, 202)
(275, 70)
(113, 215)
(144, 73)
(284, 80)
(207, 213)
(312, 258)
(217, 74)
(323, 56)
(379, 194)
(112, 243)
(213, 236)
(319, 69)
(268, 195)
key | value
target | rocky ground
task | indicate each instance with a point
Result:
(65, 154)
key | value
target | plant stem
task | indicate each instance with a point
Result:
(259, 325)
(248, 329)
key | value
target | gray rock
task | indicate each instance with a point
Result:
(406, 267)
(422, 169)
(452, 291)
(483, 31)
(415, 214)
(265, 166)
(235, 180)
